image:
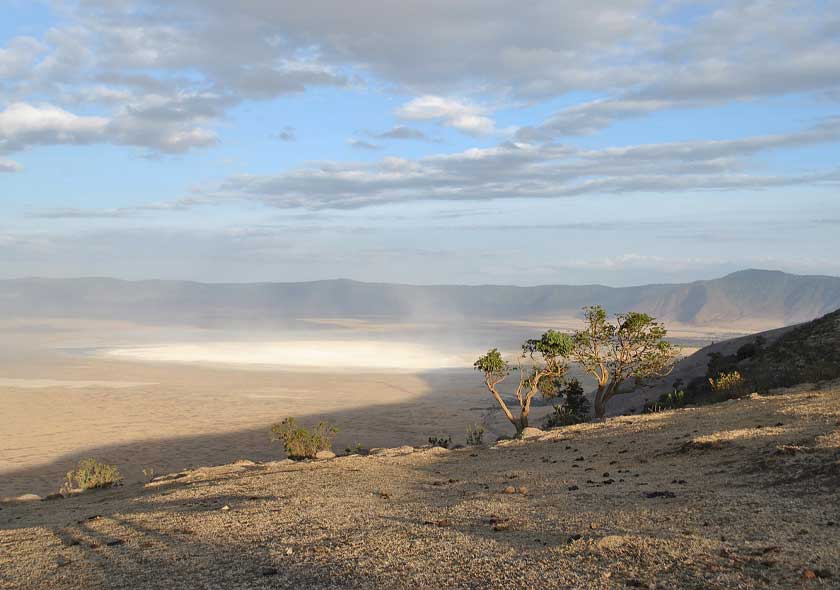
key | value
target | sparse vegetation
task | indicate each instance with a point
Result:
(730, 384)
(302, 443)
(632, 347)
(667, 401)
(475, 435)
(149, 473)
(574, 407)
(547, 359)
(440, 441)
(356, 449)
(90, 474)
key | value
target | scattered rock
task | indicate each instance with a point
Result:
(27, 498)
(509, 490)
(660, 494)
(573, 488)
(61, 561)
(289, 550)
(392, 452)
(114, 543)
(225, 508)
(575, 537)
(324, 455)
(268, 571)
(809, 575)
(523, 490)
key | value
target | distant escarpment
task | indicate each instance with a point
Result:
(757, 298)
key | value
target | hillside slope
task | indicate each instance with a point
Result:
(767, 297)
(743, 494)
(804, 353)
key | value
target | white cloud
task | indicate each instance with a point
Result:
(519, 170)
(9, 166)
(23, 125)
(451, 112)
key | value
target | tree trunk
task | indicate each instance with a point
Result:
(600, 402)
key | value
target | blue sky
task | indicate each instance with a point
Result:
(617, 142)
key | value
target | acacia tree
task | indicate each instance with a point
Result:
(547, 359)
(633, 346)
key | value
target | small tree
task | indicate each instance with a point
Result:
(547, 359)
(633, 346)
(573, 408)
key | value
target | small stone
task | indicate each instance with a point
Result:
(61, 561)
(823, 573)
(575, 537)
(522, 490)
(114, 542)
(225, 508)
(289, 551)
(594, 525)
(573, 488)
(808, 575)
(509, 490)
(268, 571)
(324, 455)
(660, 494)
(50, 497)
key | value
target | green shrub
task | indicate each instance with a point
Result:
(90, 474)
(439, 441)
(732, 384)
(302, 443)
(475, 435)
(667, 401)
(356, 449)
(574, 408)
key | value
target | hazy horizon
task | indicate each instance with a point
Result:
(374, 282)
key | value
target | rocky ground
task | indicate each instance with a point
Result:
(743, 494)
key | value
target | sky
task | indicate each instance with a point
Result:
(422, 141)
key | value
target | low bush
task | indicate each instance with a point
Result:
(356, 449)
(300, 442)
(475, 435)
(439, 441)
(90, 474)
(731, 384)
(667, 401)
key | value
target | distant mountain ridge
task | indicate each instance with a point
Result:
(772, 296)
